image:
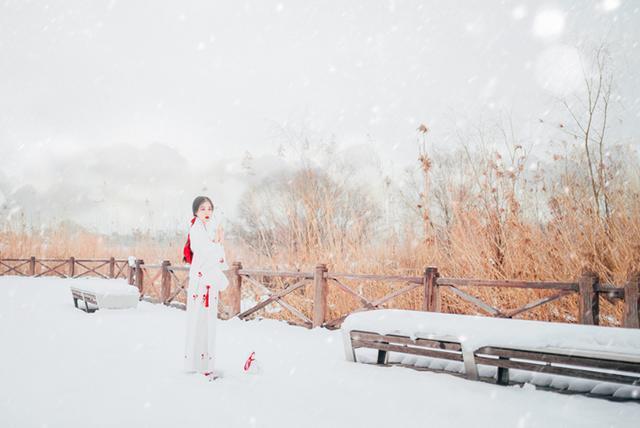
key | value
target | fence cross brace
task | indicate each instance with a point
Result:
(52, 269)
(277, 298)
(14, 268)
(94, 270)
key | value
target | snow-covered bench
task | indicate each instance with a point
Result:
(104, 294)
(577, 358)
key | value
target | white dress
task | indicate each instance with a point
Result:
(206, 279)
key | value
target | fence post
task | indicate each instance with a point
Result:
(112, 267)
(139, 276)
(32, 266)
(130, 273)
(320, 295)
(166, 282)
(631, 297)
(589, 304)
(236, 288)
(431, 299)
(72, 266)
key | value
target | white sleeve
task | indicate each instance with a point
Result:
(221, 259)
(200, 242)
(213, 222)
(205, 248)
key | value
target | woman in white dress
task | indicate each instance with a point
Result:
(206, 280)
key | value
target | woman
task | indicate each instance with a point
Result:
(206, 279)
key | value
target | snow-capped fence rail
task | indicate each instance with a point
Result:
(163, 283)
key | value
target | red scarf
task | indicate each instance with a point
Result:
(188, 254)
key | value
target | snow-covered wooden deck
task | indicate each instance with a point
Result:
(61, 367)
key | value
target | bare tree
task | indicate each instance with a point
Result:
(425, 166)
(589, 112)
(306, 212)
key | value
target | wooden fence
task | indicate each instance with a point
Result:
(164, 283)
(66, 268)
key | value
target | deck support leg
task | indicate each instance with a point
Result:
(502, 378)
(382, 357)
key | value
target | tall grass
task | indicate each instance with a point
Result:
(488, 209)
(492, 216)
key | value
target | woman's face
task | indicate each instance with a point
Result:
(204, 211)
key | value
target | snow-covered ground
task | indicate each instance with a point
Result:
(61, 367)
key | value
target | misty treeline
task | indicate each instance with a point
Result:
(496, 204)
(493, 200)
(489, 199)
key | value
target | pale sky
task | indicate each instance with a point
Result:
(115, 114)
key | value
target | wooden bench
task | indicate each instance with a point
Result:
(86, 297)
(482, 348)
(593, 365)
(447, 348)
(103, 294)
